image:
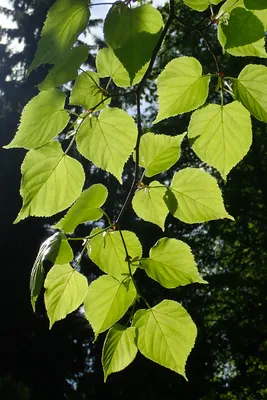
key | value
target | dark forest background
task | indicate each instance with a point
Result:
(229, 361)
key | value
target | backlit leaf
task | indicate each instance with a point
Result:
(51, 181)
(200, 5)
(198, 197)
(86, 208)
(107, 300)
(172, 264)
(108, 140)
(65, 291)
(157, 153)
(42, 119)
(149, 204)
(255, 4)
(133, 33)
(66, 19)
(221, 136)
(119, 349)
(108, 65)
(106, 250)
(65, 70)
(181, 87)
(166, 334)
(87, 93)
(251, 89)
(249, 28)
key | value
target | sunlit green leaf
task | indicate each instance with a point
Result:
(86, 208)
(198, 196)
(66, 19)
(42, 119)
(133, 33)
(221, 136)
(65, 253)
(107, 300)
(119, 349)
(172, 264)
(106, 250)
(108, 65)
(108, 140)
(157, 153)
(65, 70)
(166, 334)
(200, 5)
(181, 87)
(65, 291)
(51, 181)
(149, 204)
(87, 93)
(251, 89)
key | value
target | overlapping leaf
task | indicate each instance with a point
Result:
(108, 65)
(87, 93)
(106, 250)
(181, 87)
(43, 118)
(119, 349)
(221, 136)
(51, 181)
(200, 5)
(149, 204)
(107, 300)
(157, 153)
(66, 19)
(249, 28)
(65, 291)
(108, 140)
(255, 4)
(172, 264)
(198, 197)
(133, 33)
(86, 208)
(251, 89)
(65, 70)
(166, 334)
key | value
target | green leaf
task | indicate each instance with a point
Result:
(133, 33)
(108, 140)
(87, 93)
(157, 153)
(149, 204)
(166, 335)
(106, 250)
(108, 65)
(181, 87)
(37, 274)
(255, 4)
(172, 264)
(119, 349)
(221, 136)
(107, 300)
(65, 70)
(66, 19)
(43, 118)
(200, 5)
(65, 291)
(251, 89)
(65, 253)
(51, 181)
(249, 28)
(198, 196)
(86, 208)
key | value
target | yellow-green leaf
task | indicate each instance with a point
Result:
(221, 136)
(65, 291)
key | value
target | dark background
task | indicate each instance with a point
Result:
(229, 359)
